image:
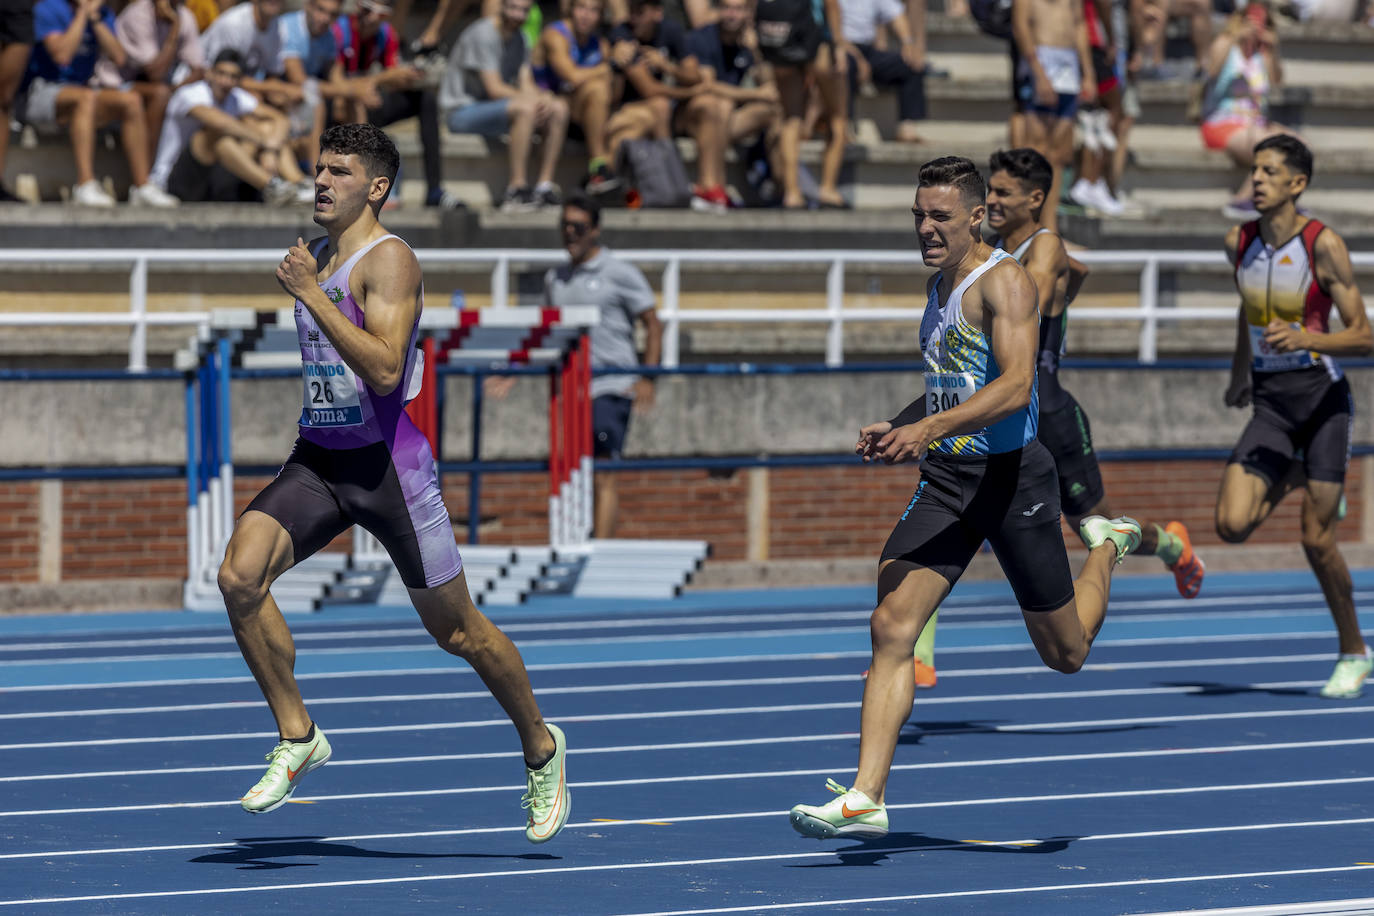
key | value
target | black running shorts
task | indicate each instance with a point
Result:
(1302, 409)
(1068, 436)
(321, 492)
(1010, 500)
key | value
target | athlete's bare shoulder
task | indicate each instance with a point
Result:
(1047, 249)
(390, 271)
(1232, 242)
(1006, 285)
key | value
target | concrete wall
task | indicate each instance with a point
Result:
(133, 423)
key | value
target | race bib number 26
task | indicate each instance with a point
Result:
(330, 396)
(948, 389)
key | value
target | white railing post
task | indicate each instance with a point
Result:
(138, 306)
(500, 282)
(1149, 303)
(672, 285)
(834, 310)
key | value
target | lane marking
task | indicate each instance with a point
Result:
(956, 612)
(725, 777)
(741, 742)
(722, 711)
(657, 638)
(660, 663)
(659, 685)
(684, 863)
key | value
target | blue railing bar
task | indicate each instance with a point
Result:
(97, 472)
(192, 440)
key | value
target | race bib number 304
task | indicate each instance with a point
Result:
(330, 396)
(948, 389)
(1265, 359)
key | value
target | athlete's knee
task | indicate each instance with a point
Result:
(243, 585)
(1064, 659)
(1233, 527)
(892, 623)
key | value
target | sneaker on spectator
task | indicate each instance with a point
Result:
(517, 200)
(280, 193)
(444, 200)
(150, 195)
(710, 200)
(1105, 201)
(91, 194)
(1082, 194)
(547, 195)
(305, 191)
(602, 181)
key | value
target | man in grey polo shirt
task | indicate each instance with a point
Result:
(593, 276)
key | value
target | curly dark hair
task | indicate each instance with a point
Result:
(1026, 166)
(370, 144)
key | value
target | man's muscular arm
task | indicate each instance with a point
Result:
(387, 284)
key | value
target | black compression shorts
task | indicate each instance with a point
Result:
(1302, 409)
(321, 492)
(1068, 436)
(1009, 499)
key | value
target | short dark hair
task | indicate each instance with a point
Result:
(586, 203)
(370, 144)
(1295, 153)
(1026, 166)
(958, 173)
(228, 56)
(639, 5)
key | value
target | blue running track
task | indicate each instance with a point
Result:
(1191, 765)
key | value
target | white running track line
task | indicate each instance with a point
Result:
(676, 637)
(721, 777)
(687, 662)
(718, 711)
(416, 632)
(661, 685)
(953, 618)
(1355, 906)
(739, 742)
(810, 904)
(682, 863)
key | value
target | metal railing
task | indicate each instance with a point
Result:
(500, 261)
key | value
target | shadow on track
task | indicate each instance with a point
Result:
(258, 853)
(871, 852)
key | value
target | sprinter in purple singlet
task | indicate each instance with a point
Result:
(360, 460)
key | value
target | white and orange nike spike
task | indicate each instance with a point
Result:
(853, 814)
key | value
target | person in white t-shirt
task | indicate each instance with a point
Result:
(216, 138)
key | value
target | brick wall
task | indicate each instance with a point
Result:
(19, 531)
(113, 529)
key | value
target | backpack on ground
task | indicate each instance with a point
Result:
(655, 170)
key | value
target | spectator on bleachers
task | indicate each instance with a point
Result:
(805, 52)
(71, 38)
(205, 11)
(489, 89)
(220, 144)
(728, 111)
(310, 59)
(660, 73)
(1055, 71)
(162, 47)
(369, 49)
(573, 60)
(16, 43)
(252, 29)
(1242, 69)
(903, 69)
(1096, 121)
(1153, 17)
